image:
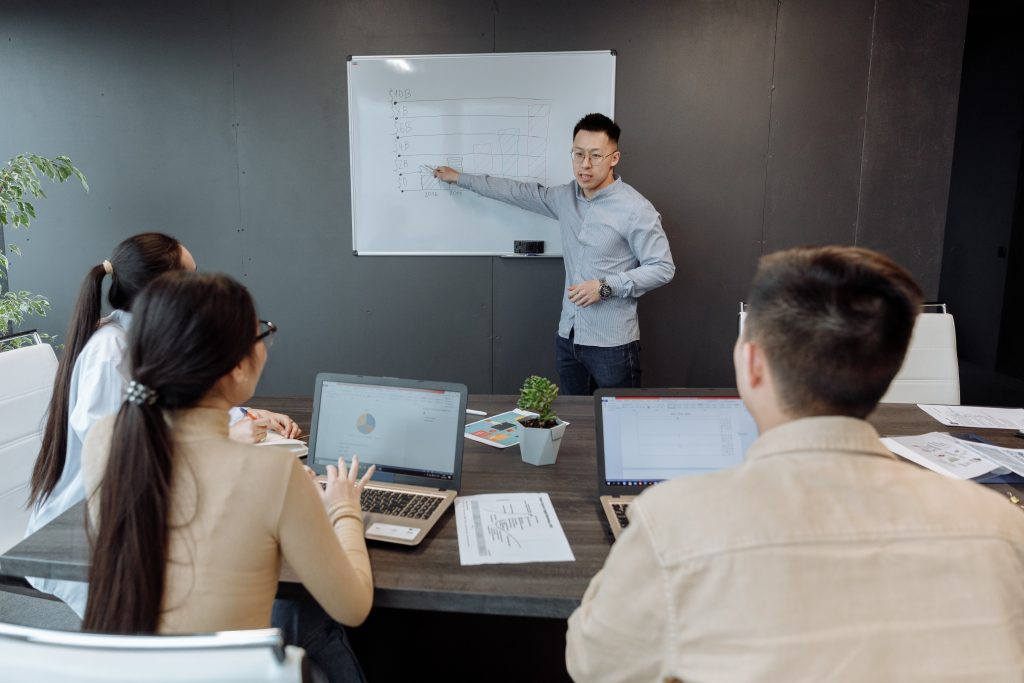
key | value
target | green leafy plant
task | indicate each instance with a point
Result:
(537, 395)
(19, 186)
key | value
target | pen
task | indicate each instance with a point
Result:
(428, 168)
(475, 412)
(248, 414)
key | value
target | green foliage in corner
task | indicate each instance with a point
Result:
(19, 187)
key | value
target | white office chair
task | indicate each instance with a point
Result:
(32, 655)
(26, 382)
(930, 373)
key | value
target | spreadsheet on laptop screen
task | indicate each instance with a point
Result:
(653, 438)
(401, 430)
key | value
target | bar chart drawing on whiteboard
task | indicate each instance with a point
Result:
(500, 136)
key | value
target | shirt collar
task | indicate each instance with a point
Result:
(122, 319)
(826, 433)
(603, 192)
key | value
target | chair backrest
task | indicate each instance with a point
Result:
(930, 373)
(32, 655)
(26, 383)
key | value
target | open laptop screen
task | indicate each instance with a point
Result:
(401, 430)
(648, 439)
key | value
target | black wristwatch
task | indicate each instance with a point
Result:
(606, 289)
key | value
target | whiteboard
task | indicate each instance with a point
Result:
(507, 115)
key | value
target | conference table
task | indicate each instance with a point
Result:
(429, 577)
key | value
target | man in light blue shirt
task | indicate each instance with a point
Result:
(614, 250)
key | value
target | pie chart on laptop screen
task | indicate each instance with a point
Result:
(365, 423)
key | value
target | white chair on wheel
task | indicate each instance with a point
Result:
(26, 383)
(32, 655)
(930, 373)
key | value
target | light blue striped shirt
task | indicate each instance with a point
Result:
(616, 235)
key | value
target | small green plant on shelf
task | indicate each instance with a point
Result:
(536, 396)
(19, 186)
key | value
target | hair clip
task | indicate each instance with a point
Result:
(139, 393)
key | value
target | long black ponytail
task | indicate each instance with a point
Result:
(188, 332)
(133, 265)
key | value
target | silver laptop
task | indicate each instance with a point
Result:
(645, 436)
(410, 429)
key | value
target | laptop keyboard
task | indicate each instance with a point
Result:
(620, 513)
(399, 503)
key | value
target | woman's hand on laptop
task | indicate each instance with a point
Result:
(346, 486)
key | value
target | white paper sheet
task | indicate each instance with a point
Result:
(941, 453)
(976, 416)
(297, 447)
(509, 528)
(1010, 458)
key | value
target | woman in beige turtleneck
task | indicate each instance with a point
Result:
(190, 527)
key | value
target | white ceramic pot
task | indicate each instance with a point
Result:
(539, 446)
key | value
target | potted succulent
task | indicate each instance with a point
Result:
(539, 437)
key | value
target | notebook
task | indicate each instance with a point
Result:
(645, 436)
(410, 429)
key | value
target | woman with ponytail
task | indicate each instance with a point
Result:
(188, 527)
(91, 380)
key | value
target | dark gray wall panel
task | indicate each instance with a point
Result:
(911, 118)
(140, 99)
(412, 317)
(821, 69)
(692, 87)
(984, 176)
(527, 302)
(226, 125)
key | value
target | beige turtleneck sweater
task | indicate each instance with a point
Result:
(236, 511)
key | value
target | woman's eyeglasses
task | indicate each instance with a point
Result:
(266, 335)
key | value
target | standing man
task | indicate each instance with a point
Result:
(614, 250)
(823, 557)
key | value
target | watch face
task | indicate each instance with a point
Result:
(605, 291)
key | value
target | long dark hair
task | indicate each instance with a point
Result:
(135, 262)
(189, 330)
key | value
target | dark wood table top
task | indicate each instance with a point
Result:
(429, 577)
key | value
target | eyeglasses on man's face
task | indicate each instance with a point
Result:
(266, 335)
(596, 158)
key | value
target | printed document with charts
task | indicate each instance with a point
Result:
(954, 457)
(509, 528)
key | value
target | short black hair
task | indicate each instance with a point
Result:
(598, 123)
(834, 323)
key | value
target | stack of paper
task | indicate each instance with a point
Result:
(956, 458)
(976, 416)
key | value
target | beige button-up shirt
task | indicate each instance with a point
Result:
(821, 558)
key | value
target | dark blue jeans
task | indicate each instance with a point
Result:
(306, 624)
(584, 369)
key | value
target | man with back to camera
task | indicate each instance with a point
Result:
(822, 556)
(614, 250)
